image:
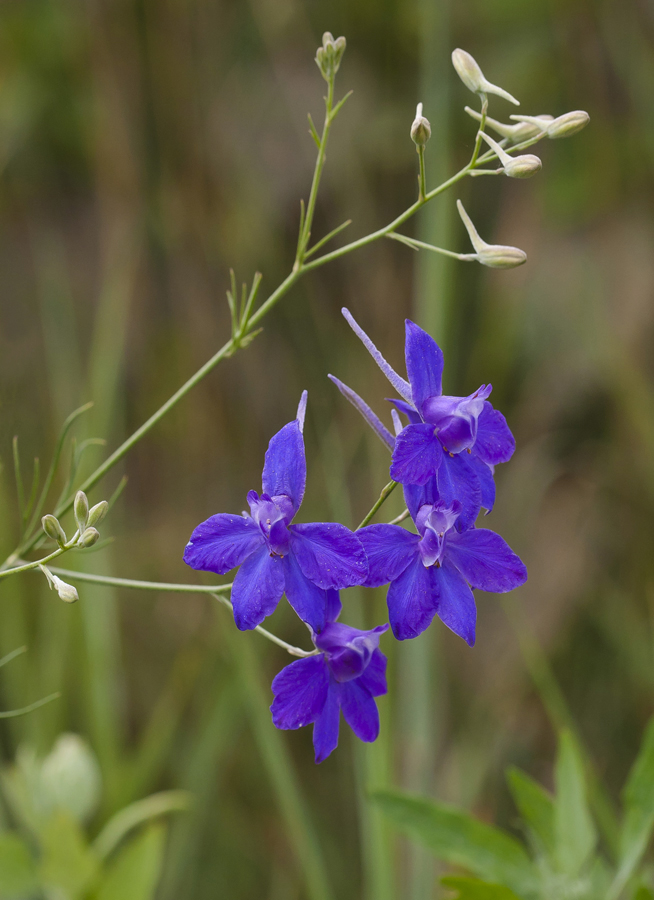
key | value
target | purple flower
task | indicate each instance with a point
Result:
(276, 557)
(348, 673)
(454, 441)
(431, 573)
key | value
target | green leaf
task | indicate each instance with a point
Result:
(473, 889)
(137, 813)
(573, 825)
(638, 798)
(643, 893)
(17, 869)
(135, 872)
(535, 805)
(68, 865)
(458, 838)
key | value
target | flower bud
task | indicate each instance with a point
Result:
(97, 513)
(53, 529)
(328, 57)
(514, 166)
(563, 126)
(521, 131)
(421, 129)
(471, 75)
(496, 256)
(66, 592)
(89, 538)
(81, 510)
(70, 778)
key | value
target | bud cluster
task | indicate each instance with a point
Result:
(328, 57)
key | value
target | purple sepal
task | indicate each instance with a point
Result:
(417, 455)
(374, 677)
(221, 543)
(424, 364)
(325, 730)
(486, 561)
(359, 710)
(401, 386)
(361, 406)
(308, 600)
(334, 606)
(417, 495)
(257, 589)
(389, 549)
(329, 554)
(300, 692)
(408, 409)
(457, 480)
(412, 601)
(484, 473)
(456, 604)
(495, 443)
(285, 468)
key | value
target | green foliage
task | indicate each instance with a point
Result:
(51, 799)
(565, 862)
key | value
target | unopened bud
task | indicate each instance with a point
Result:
(98, 512)
(514, 166)
(53, 529)
(66, 591)
(81, 510)
(496, 256)
(521, 131)
(468, 70)
(421, 129)
(563, 126)
(328, 57)
(89, 538)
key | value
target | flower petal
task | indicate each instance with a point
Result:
(285, 467)
(329, 554)
(334, 605)
(308, 600)
(408, 409)
(457, 480)
(412, 601)
(300, 692)
(401, 386)
(485, 560)
(417, 495)
(258, 587)
(222, 542)
(417, 455)
(424, 364)
(389, 549)
(373, 678)
(371, 418)
(456, 604)
(495, 443)
(486, 480)
(360, 710)
(325, 730)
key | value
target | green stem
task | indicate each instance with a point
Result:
(26, 567)
(294, 651)
(386, 492)
(421, 245)
(482, 125)
(317, 173)
(422, 179)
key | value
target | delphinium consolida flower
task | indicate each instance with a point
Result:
(346, 674)
(304, 561)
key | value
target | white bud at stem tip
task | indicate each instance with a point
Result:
(471, 75)
(420, 129)
(514, 166)
(496, 256)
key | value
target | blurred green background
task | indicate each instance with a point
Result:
(146, 147)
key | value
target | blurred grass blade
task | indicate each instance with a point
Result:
(14, 653)
(456, 837)
(136, 871)
(18, 475)
(136, 814)
(573, 826)
(638, 823)
(14, 713)
(535, 806)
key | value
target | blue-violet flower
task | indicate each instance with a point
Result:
(275, 556)
(431, 573)
(347, 674)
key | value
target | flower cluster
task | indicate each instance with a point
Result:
(444, 457)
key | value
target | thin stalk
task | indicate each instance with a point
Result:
(422, 180)
(482, 125)
(294, 651)
(386, 492)
(27, 567)
(317, 173)
(13, 713)
(421, 245)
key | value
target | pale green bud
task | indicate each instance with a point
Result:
(471, 75)
(515, 166)
(328, 57)
(53, 529)
(89, 538)
(421, 129)
(521, 131)
(70, 777)
(563, 126)
(496, 256)
(66, 591)
(81, 510)
(98, 512)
